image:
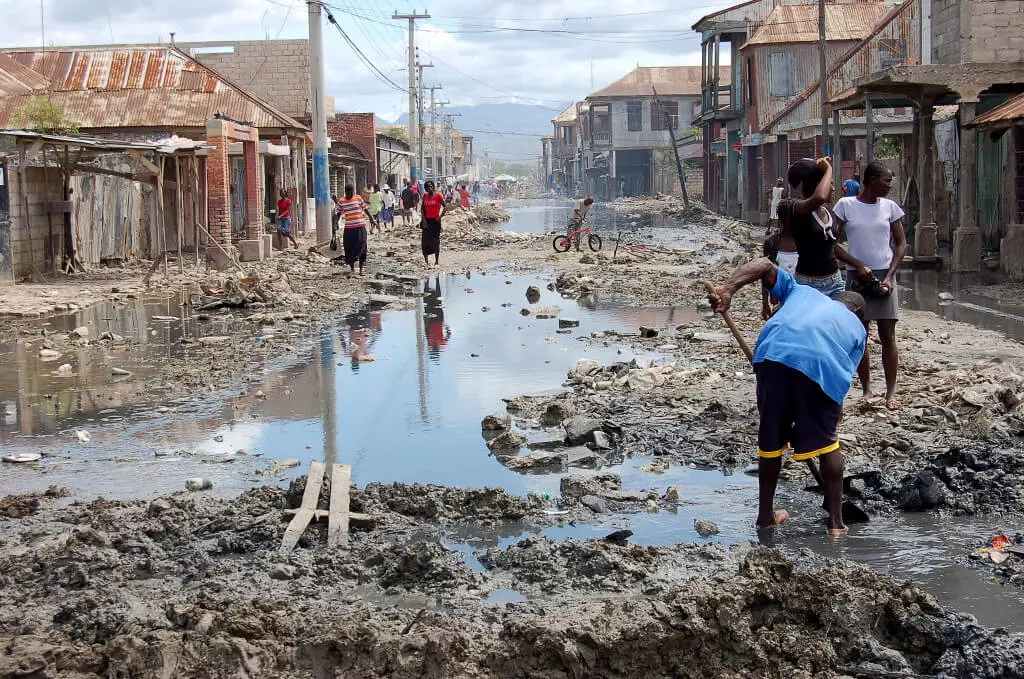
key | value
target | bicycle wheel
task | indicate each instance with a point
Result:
(594, 241)
(562, 243)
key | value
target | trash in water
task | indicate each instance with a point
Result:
(83, 435)
(22, 458)
(198, 483)
(64, 369)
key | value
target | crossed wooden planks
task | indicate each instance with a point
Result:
(337, 515)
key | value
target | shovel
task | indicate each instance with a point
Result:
(851, 512)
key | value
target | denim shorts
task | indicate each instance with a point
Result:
(284, 225)
(830, 286)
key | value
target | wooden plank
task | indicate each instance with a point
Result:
(337, 527)
(355, 519)
(295, 529)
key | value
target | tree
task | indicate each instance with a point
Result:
(41, 115)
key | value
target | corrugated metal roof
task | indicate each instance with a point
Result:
(566, 116)
(17, 79)
(669, 80)
(133, 87)
(1007, 112)
(799, 23)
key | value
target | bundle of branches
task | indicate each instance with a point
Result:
(234, 293)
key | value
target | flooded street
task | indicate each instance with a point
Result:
(399, 396)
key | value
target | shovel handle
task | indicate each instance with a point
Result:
(732, 326)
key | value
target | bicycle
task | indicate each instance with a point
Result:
(563, 243)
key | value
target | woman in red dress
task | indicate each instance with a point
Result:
(434, 209)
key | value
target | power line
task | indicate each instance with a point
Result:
(362, 57)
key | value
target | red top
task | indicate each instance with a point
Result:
(464, 198)
(284, 207)
(432, 204)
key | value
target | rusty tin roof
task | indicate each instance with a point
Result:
(1009, 112)
(669, 80)
(799, 23)
(103, 87)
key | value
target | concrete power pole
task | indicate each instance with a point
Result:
(419, 136)
(411, 18)
(449, 140)
(433, 136)
(321, 181)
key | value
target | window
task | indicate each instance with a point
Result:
(783, 74)
(750, 82)
(669, 114)
(635, 116)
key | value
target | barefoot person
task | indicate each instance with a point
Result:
(387, 213)
(284, 220)
(356, 216)
(804, 361)
(872, 222)
(808, 220)
(433, 210)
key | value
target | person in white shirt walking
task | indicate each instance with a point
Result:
(387, 213)
(877, 244)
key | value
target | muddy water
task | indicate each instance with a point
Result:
(412, 414)
(921, 289)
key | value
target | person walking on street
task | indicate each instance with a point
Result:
(464, 201)
(804, 361)
(776, 194)
(851, 187)
(376, 204)
(356, 214)
(387, 213)
(433, 211)
(878, 243)
(284, 220)
(335, 219)
(811, 225)
(408, 199)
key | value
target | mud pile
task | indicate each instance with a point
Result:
(189, 585)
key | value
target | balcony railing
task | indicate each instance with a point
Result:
(601, 138)
(717, 100)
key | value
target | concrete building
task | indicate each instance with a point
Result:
(546, 164)
(352, 158)
(566, 151)
(971, 56)
(626, 147)
(141, 95)
(393, 159)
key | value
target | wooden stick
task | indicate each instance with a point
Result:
(310, 498)
(732, 327)
(179, 224)
(337, 528)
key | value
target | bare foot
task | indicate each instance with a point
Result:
(780, 517)
(838, 532)
(893, 403)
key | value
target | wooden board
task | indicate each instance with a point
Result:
(337, 526)
(310, 497)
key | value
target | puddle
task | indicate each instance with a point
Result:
(920, 290)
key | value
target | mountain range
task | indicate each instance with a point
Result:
(506, 132)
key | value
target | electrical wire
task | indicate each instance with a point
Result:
(362, 57)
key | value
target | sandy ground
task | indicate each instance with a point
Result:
(190, 585)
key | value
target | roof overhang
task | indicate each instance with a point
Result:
(935, 84)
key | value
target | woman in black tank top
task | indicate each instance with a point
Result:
(811, 225)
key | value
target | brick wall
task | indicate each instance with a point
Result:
(946, 31)
(359, 130)
(276, 71)
(994, 32)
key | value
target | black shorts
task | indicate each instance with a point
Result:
(794, 411)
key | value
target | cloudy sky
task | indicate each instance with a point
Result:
(533, 51)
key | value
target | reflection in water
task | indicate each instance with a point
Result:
(920, 290)
(437, 333)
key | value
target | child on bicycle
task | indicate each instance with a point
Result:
(579, 216)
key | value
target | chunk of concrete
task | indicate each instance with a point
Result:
(250, 250)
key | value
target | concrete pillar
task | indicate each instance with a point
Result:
(732, 174)
(967, 237)
(926, 232)
(869, 125)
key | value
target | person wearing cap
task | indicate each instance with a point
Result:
(387, 212)
(805, 358)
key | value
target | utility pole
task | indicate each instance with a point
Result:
(824, 79)
(675, 149)
(442, 160)
(419, 136)
(449, 143)
(411, 18)
(321, 181)
(433, 130)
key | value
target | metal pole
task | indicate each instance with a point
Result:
(823, 76)
(321, 181)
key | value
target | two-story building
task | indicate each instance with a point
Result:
(626, 146)
(565, 149)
